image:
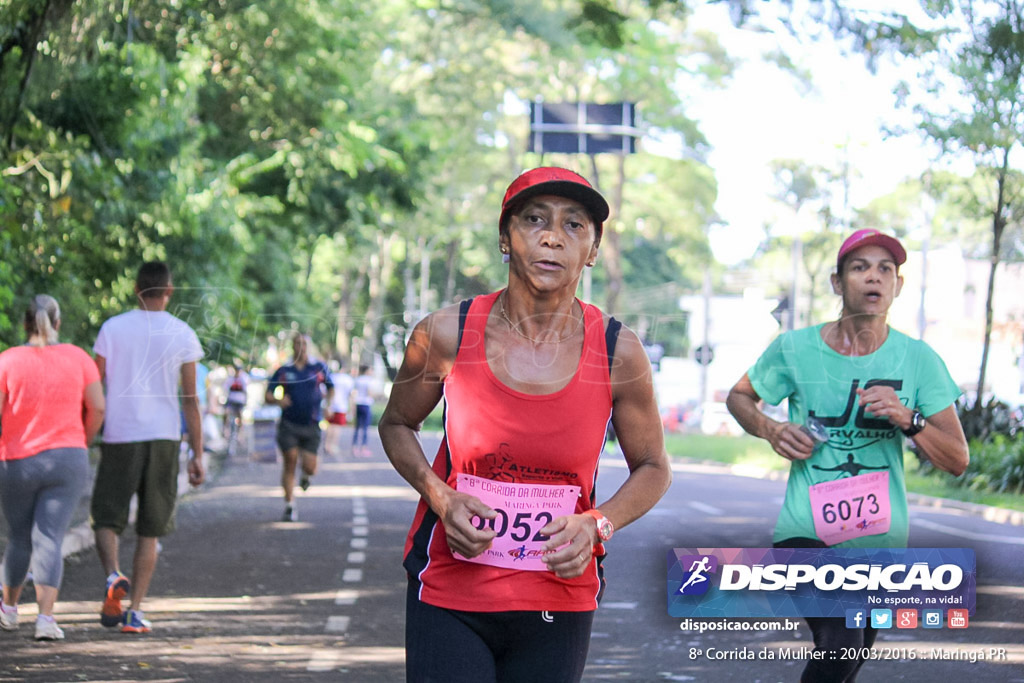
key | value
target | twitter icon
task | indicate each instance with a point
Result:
(881, 618)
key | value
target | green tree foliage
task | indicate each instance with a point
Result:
(668, 207)
(331, 165)
(656, 58)
(200, 136)
(983, 63)
(811, 235)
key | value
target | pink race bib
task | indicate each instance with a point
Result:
(851, 508)
(523, 510)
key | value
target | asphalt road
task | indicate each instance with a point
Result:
(240, 596)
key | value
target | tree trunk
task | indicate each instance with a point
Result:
(28, 53)
(998, 226)
(409, 281)
(426, 250)
(382, 268)
(342, 339)
(310, 253)
(452, 261)
(811, 299)
(610, 243)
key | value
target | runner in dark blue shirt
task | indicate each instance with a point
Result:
(298, 432)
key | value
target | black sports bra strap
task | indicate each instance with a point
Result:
(611, 336)
(463, 312)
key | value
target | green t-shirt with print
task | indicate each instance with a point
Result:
(819, 381)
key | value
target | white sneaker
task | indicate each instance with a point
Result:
(8, 617)
(47, 629)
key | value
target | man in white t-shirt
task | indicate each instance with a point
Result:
(147, 359)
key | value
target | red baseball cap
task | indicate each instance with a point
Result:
(863, 238)
(560, 182)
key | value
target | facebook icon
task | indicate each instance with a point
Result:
(856, 618)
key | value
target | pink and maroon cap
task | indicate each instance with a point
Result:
(560, 182)
(867, 236)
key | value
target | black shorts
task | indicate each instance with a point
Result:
(305, 437)
(451, 646)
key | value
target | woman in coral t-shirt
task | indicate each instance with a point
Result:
(51, 407)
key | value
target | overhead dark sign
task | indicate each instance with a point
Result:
(583, 128)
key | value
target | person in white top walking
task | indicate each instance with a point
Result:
(146, 357)
(365, 391)
(343, 385)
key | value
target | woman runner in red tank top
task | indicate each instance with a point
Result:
(503, 554)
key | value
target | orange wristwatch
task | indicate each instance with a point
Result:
(605, 528)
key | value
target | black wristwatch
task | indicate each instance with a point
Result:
(917, 423)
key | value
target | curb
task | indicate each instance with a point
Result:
(986, 512)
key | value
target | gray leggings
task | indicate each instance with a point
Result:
(39, 494)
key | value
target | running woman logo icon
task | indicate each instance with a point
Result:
(696, 581)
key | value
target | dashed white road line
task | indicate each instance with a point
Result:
(337, 624)
(705, 508)
(328, 660)
(346, 597)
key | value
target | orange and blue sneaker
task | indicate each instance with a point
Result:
(134, 622)
(117, 587)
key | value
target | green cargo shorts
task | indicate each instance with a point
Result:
(146, 468)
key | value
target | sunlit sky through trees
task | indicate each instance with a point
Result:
(765, 113)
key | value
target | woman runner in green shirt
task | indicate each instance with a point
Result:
(856, 388)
